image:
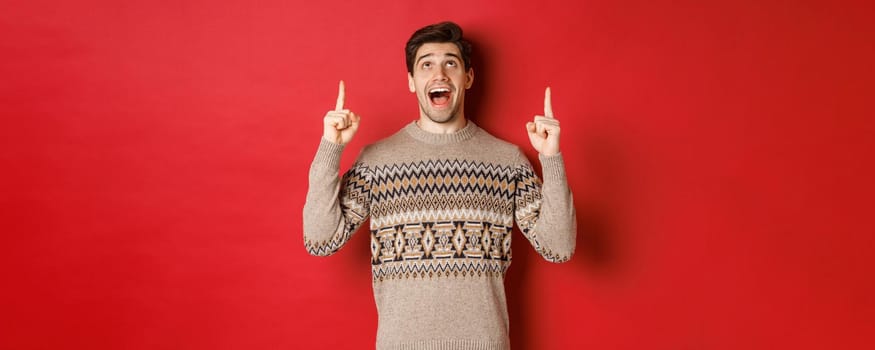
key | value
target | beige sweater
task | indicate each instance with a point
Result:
(442, 207)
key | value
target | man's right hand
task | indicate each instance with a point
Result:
(340, 124)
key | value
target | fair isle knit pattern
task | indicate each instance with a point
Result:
(442, 209)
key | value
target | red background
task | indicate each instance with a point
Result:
(154, 160)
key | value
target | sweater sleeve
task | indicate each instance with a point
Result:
(545, 211)
(335, 207)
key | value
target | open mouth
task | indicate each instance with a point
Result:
(439, 96)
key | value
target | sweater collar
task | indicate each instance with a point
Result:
(441, 139)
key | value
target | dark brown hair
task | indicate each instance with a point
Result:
(444, 32)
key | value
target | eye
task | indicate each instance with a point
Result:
(426, 65)
(451, 64)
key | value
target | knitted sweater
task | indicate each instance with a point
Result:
(442, 207)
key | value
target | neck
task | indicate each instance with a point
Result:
(415, 131)
(453, 125)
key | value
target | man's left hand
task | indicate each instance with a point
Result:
(544, 130)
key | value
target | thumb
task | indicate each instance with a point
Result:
(354, 120)
(530, 127)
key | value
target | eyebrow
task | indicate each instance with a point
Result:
(432, 54)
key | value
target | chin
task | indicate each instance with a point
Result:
(441, 119)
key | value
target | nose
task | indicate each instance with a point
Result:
(440, 75)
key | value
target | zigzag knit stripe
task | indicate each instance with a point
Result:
(440, 268)
(442, 176)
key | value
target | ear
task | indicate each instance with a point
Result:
(410, 82)
(470, 80)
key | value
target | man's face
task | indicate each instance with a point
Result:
(439, 80)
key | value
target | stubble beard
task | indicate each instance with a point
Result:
(438, 116)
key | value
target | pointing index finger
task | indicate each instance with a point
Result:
(548, 104)
(341, 96)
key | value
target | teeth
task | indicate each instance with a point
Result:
(438, 90)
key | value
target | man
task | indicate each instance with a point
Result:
(442, 195)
